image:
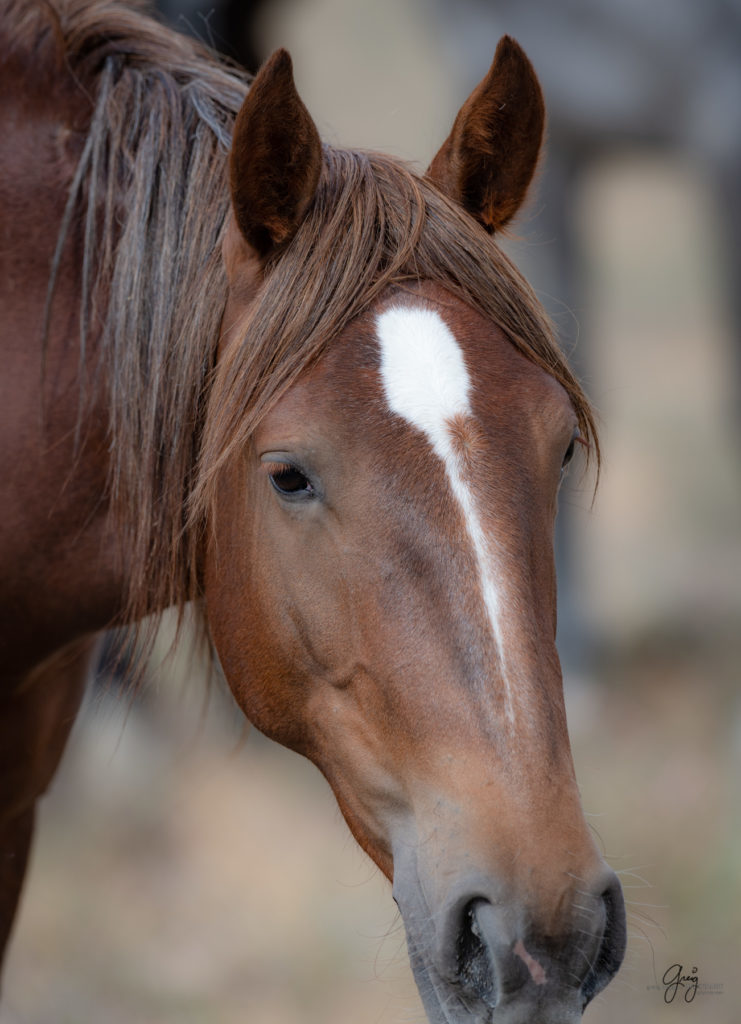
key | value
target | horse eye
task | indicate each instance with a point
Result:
(288, 480)
(569, 453)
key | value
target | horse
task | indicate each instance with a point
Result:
(301, 390)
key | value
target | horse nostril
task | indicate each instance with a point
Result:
(486, 971)
(474, 968)
(612, 948)
(494, 954)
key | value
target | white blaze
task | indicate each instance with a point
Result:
(426, 382)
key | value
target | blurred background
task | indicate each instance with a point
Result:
(187, 870)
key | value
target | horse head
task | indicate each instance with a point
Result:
(379, 578)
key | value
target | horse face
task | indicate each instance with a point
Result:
(381, 593)
(380, 582)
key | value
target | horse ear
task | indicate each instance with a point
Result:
(275, 159)
(488, 160)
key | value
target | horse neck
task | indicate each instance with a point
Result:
(61, 577)
(60, 537)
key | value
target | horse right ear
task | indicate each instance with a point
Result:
(275, 159)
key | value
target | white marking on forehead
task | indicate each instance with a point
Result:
(426, 382)
(424, 375)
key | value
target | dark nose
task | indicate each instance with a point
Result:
(497, 955)
(611, 949)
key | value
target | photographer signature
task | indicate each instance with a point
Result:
(674, 979)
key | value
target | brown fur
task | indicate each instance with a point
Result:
(182, 350)
(373, 222)
(504, 115)
(149, 114)
(273, 185)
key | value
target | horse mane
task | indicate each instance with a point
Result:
(151, 192)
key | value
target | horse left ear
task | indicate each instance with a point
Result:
(488, 160)
(275, 159)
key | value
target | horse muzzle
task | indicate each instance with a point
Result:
(487, 956)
